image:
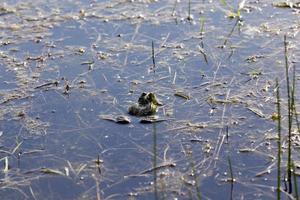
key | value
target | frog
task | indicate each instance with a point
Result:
(147, 105)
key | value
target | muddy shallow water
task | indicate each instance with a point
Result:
(64, 64)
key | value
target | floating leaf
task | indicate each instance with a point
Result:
(196, 125)
(120, 119)
(286, 4)
(89, 62)
(254, 58)
(246, 150)
(182, 95)
(151, 119)
(52, 171)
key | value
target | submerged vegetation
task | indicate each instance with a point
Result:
(226, 72)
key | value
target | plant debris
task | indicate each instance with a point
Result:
(120, 119)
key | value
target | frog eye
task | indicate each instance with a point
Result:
(143, 94)
(150, 96)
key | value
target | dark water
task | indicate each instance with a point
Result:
(57, 146)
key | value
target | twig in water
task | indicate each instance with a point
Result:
(231, 32)
(47, 84)
(158, 167)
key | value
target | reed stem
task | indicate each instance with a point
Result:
(295, 181)
(153, 57)
(289, 113)
(279, 140)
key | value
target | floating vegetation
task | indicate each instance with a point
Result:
(254, 58)
(120, 119)
(286, 4)
(69, 68)
(182, 95)
(52, 171)
(151, 119)
(256, 111)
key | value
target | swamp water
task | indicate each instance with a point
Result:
(66, 64)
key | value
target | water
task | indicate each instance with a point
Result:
(65, 63)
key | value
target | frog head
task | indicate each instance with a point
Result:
(152, 99)
(147, 105)
(143, 100)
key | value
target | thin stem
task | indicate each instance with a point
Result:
(231, 177)
(174, 8)
(231, 32)
(289, 113)
(296, 117)
(295, 181)
(189, 17)
(293, 99)
(155, 160)
(202, 21)
(153, 57)
(189, 8)
(230, 169)
(279, 140)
